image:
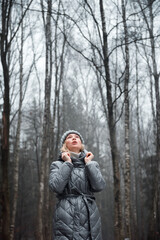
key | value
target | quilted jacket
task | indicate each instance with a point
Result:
(76, 216)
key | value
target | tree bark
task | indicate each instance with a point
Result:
(138, 172)
(112, 132)
(155, 220)
(127, 178)
(16, 150)
(43, 206)
(6, 14)
(59, 68)
(155, 215)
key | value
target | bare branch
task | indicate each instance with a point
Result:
(19, 24)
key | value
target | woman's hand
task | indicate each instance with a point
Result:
(89, 157)
(66, 157)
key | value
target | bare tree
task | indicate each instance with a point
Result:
(149, 20)
(16, 153)
(112, 131)
(6, 16)
(6, 39)
(22, 90)
(59, 66)
(42, 230)
(137, 165)
(127, 177)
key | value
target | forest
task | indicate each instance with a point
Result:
(92, 66)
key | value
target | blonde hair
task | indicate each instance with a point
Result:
(65, 149)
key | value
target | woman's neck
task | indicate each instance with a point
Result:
(75, 154)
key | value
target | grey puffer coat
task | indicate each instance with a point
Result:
(76, 215)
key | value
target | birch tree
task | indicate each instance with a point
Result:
(127, 233)
(138, 168)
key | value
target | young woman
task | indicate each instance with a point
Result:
(75, 178)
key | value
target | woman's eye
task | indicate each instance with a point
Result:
(69, 137)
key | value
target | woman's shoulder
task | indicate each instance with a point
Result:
(58, 162)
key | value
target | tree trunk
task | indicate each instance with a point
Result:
(127, 178)
(5, 13)
(16, 150)
(59, 67)
(112, 131)
(43, 232)
(138, 172)
(155, 215)
(155, 221)
(5, 155)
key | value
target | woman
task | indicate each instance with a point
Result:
(75, 178)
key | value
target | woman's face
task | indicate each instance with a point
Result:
(73, 143)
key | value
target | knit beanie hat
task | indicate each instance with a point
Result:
(63, 138)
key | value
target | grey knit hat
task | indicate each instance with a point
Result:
(63, 138)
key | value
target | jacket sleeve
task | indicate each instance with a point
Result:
(95, 177)
(59, 175)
